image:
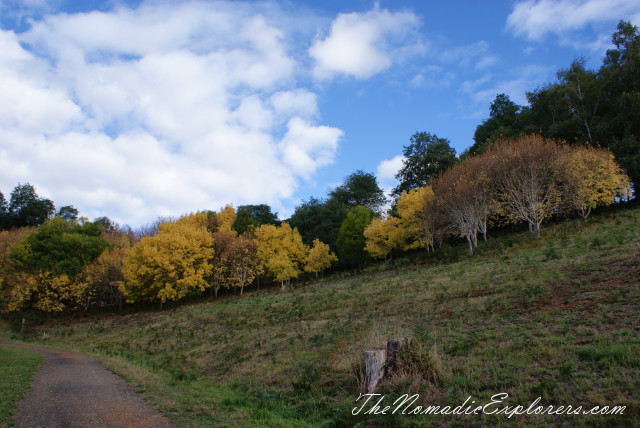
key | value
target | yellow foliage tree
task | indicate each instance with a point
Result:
(281, 251)
(414, 222)
(225, 218)
(243, 261)
(14, 284)
(382, 236)
(409, 231)
(319, 258)
(170, 264)
(98, 283)
(589, 178)
(221, 273)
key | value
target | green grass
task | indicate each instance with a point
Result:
(556, 317)
(17, 367)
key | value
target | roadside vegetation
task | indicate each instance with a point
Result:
(17, 367)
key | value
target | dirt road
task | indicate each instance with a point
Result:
(74, 390)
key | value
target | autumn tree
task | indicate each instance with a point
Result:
(382, 236)
(456, 192)
(99, 283)
(526, 179)
(319, 258)
(244, 264)
(222, 273)
(171, 264)
(413, 209)
(588, 178)
(14, 283)
(410, 230)
(281, 251)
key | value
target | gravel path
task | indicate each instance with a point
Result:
(74, 390)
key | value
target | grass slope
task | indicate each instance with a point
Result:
(17, 367)
(556, 318)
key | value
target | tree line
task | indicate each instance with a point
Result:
(527, 180)
(595, 108)
(527, 164)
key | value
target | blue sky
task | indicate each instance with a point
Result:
(142, 109)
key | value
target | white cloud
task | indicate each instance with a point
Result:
(307, 147)
(534, 19)
(388, 168)
(529, 78)
(159, 110)
(386, 172)
(364, 44)
(476, 55)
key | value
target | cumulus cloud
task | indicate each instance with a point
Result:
(386, 172)
(364, 44)
(534, 19)
(158, 110)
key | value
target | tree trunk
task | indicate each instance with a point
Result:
(241, 288)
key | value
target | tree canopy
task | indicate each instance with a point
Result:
(360, 188)
(25, 208)
(425, 158)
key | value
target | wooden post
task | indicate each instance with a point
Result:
(374, 367)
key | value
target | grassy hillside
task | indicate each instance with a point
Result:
(556, 318)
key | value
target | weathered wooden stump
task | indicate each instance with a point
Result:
(381, 363)
(393, 347)
(374, 367)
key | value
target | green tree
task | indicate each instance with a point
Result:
(4, 213)
(51, 257)
(360, 188)
(68, 213)
(351, 241)
(425, 158)
(620, 76)
(249, 217)
(503, 122)
(317, 219)
(26, 208)
(59, 247)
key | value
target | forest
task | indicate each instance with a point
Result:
(575, 147)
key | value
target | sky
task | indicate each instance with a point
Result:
(140, 109)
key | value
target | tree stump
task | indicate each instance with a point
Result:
(374, 362)
(393, 346)
(381, 363)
